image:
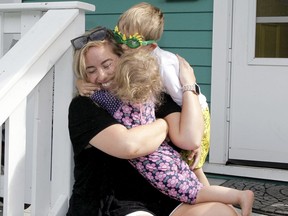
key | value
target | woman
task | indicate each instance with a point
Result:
(105, 184)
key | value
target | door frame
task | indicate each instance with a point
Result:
(220, 101)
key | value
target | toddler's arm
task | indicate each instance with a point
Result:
(85, 88)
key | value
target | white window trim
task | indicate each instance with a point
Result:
(251, 39)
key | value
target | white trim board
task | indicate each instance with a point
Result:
(245, 171)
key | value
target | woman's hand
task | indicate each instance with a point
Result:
(187, 76)
(85, 88)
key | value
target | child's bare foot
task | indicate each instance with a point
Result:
(246, 202)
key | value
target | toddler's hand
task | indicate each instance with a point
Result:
(85, 88)
(195, 156)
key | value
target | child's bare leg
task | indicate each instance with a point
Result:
(203, 179)
(201, 176)
(228, 196)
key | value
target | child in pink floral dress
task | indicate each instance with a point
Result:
(131, 100)
(164, 169)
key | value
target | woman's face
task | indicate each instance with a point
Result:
(100, 65)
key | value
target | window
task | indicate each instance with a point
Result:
(272, 29)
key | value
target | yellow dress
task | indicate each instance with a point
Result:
(205, 143)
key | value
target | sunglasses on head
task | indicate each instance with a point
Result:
(97, 35)
(133, 41)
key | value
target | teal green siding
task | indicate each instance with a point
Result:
(188, 29)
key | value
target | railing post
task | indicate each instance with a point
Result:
(14, 172)
(42, 145)
(62, 176)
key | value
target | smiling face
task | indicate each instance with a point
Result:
(100, 64)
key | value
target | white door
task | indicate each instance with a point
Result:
(258, 128)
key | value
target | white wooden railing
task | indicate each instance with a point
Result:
(36, 87)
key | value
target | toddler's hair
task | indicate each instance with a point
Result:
(137, 78)
(142, 18)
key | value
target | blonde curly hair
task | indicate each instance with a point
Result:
(137, 78)
(144, 19)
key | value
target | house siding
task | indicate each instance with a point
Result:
(187, 31)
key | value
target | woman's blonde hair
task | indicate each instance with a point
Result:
(142, 18)
(137, 78)
(79, 65)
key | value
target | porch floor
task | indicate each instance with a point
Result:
(220, 179)
(213, 179)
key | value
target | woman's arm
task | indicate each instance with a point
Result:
(186, 128)
(118, 141)
(90, 124)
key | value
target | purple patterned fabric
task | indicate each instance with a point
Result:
(164, 168)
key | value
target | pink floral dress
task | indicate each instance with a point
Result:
(164, 168)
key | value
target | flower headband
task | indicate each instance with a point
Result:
(133, 41)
